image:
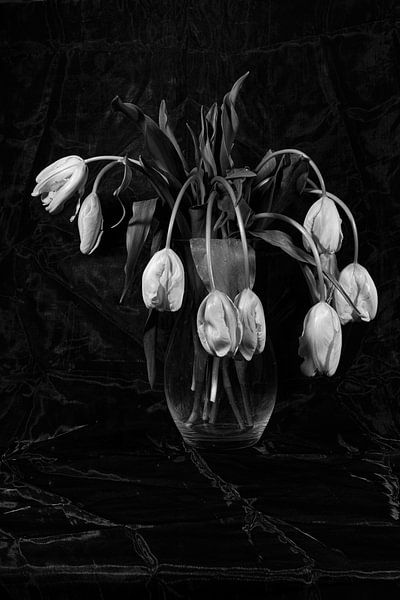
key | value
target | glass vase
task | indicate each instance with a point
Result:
(217, 403)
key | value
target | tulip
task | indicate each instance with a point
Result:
(359, 286)
(218, 325)
(90, 223)
(251, 314)
(163, 281)
(324, 225)
(320, 343)
(59, 181)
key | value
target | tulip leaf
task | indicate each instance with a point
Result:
(163, 190)
(212, 119)
(150, 344)
(205, 147)
(136, 234)
(195, 145)
(228, 264)
(166, 128)
(157, 143)
(229, 124)
(126, 179)
(241, 173)
(283, 241)
(265, 167)
(275, 237)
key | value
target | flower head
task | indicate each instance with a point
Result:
(251, 314)
(320, 343)
(324, 225)
(359, 286)
(219, 325)
(163, 281)
(90, 223)
(59, 181)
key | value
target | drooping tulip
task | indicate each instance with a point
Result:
(90, 223)
(59, 181)
(163, 281)
(359, 286)
(251, 314)
(218, 324)
(324, 225)
(320, 343)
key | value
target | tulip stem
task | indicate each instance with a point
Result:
(309, 239)
(228, 187)
(214, 378)
(240, 367)
(303, 155)
(176, 206)
(349, 215)
(97, 158)
(229, 393)
(102, 173)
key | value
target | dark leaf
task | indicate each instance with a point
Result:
(136, 234)
(163, 190)
(229, 124)
(205, 148)
(157, 143)
(166, 128)
(239, 173)
(275, 237)
(285, 242)
(150, 345)
(287, 191)
(227, 262)
(212, 119)
(265, 167)
(196, 146)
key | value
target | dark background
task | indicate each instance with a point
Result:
(98, 494)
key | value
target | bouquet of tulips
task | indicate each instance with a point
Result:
(221, 207)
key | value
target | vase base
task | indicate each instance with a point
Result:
(206, 436)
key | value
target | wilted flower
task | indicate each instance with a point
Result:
(320, 343)
(163, 281)
(251, 314)
(359, 286)
(59, 181)
(324, 224)
(218, 324)
(90, 223)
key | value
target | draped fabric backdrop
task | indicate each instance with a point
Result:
(98, 494)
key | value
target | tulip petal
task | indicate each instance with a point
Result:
(163, 281)
(251, 313)
(218, 324)
(59, 181)
(324, 225)
(321, 341)
(360, 287)
(58, 165)
(90, 223)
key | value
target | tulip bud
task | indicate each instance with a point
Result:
(218, 324)
(320, 343)
(251, 314)
(59, 181)
(324, 225)
(163, 281)
(90, 223)
(359, 286)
